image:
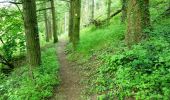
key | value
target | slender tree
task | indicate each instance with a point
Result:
(92, 9)
(108, 10)
(138, 19)
(54, 22)
(50, 28)
(76, 22)
(65, 22)
(46, 24)
(124, 10)
(31, 33)
(49, 20)
(71, 21)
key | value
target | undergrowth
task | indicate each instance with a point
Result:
(142, 72)
(94, 39)
(19, 86)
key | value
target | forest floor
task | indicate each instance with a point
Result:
(70, 87)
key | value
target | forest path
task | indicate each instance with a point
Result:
(69, 88)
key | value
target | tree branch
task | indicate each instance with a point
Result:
(100, 22)
(43, 9)
(65, 0)
(11, 2)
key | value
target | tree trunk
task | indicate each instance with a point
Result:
(124, 10)
(50, 27)
(108, 10)
(65, 23)
(76, 22)
(54, 22)
(71, 21)
(46, 25)
(31, 33)
(49, 20)
(92, 10)
(138, 19)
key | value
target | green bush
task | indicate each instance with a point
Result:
(19, 86)
(115, 72)
(142, 72)
(12, 37)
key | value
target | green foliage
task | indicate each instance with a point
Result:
(12, 36)
(20, 86)
(92, 36)
(104, 35)
(116, 72)
(141, 72)
(158, 8)
(96, 42)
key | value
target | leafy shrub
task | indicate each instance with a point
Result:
(20, 86)
(142, 72)
(12, 39)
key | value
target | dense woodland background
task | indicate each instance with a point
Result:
(119, 48)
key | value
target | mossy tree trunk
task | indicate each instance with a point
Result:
(55, 37)
(124, 10)
(76, 22)
(31, 33)
(138, 19)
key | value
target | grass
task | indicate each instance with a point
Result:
(113, 71)
(20, 86)
(95, 43)
(96, 39)
(103, 36)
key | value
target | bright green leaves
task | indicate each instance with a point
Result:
(19, 86)
(142, 72)
(12, 36)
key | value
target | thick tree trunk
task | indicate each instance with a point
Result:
(108, 10)
(76, 22)
(54, 22)
(124, 10)
(138, 19)
(31, 33)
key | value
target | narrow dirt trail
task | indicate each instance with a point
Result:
(69, 88)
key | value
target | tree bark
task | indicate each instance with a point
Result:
(71, 21)
(138, 19)
(108, 10)
(76, 22)
(46, 25)
(65, 23)
(49, 20)
(54, 22)
(31, 33)
(50, 27)
(124, 10)
(92, 10)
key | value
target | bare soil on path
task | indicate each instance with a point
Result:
(69, 88)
